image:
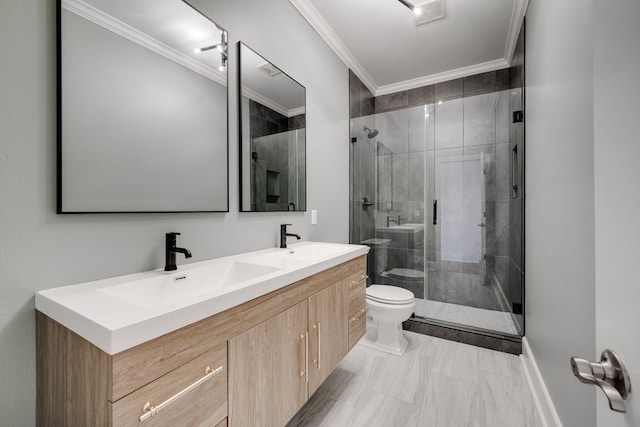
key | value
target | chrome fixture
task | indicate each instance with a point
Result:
(371, 133)
(284, 234)
(221, 47)
(609, 374)
(170, 251)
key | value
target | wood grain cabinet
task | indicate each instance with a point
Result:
(328, 332)
(255, 364)
(268, 368)
(357, 307)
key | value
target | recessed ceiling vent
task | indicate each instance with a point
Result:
(269, 69)
(429, 11)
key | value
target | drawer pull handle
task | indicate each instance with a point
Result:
(317, 361)
(363, 311)
(363, 277)
(305, 373)
(150, 410)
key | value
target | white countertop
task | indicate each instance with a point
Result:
(119, 313)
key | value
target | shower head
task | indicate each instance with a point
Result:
(371, 133)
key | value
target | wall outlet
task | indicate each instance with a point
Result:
(314, 217)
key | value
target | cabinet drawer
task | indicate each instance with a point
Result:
(357, 293)
(204, 403)
(357, 327)
(357, 307)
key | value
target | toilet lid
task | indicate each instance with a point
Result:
(389, 294)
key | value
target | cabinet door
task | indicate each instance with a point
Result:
(328, 332)
(267, 370)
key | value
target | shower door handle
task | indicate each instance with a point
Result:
(435, 211)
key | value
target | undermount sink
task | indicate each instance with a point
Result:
(300, 253)
(165, 289)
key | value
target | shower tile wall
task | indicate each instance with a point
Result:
(273, 157)
(472, 119)
(418, 136)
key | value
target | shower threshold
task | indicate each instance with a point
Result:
(469, 325)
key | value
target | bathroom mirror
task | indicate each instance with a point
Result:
(272, 137)
(142, 108)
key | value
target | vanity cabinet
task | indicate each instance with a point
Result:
(268, 368)
(277, 365)
(357, 307)
(257, 362)
(328, 332)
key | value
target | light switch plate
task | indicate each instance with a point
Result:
(314, 217)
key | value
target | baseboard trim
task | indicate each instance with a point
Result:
(541, 397)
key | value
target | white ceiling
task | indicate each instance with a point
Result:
(379, 41)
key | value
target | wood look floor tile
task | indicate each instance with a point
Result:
(436, 383)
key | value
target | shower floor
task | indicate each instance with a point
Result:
(492, 320)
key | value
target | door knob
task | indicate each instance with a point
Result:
(609, 374)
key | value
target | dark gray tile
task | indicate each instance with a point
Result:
(512, 347)
(479, 339)
(368, 106)
(502, 224)
(483, 341)
(503, 79)
(503, 274)
(421, 95)
(480, 83)
(449, 90)
(416, 177)
(417, 259)
(392, 101)
(397, 258)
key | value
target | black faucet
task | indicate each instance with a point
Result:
(284, 234)
(170, 251)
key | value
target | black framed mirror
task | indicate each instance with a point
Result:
(272, 136)
(142, 108)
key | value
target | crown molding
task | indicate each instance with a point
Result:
(517, 18)
(110, 23)
(313, 17)
(497, 64)
(261, 99)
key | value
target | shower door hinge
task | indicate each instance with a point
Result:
(517, 308)
(517, 117)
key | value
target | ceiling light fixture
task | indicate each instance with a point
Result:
(426, 10)
(406, 3)
(221, 47)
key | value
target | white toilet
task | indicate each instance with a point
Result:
(388, 307)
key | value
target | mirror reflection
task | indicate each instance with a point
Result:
(143, 108)
(272, 134)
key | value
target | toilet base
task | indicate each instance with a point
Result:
(387, 337)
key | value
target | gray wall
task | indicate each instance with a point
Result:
(40, 249)
(559, 248)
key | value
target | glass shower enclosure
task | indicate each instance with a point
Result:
(436, 194)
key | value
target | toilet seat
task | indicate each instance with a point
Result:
(392, 295)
